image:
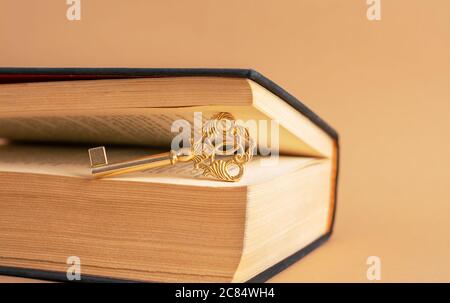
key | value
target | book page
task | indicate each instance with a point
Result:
(73, 161)
(141, 111)
(145, 127)
(139, 127)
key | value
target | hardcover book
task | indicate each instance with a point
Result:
(166, 224)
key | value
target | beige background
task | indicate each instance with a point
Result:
(384, 85)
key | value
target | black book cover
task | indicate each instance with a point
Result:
(17, 75)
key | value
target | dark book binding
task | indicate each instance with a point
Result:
(18, 75)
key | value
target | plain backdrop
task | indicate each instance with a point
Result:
(384, 85)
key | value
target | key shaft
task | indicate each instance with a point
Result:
(140, 164)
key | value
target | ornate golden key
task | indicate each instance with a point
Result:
(221, 152)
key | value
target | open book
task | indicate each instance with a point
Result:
(169, 224)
